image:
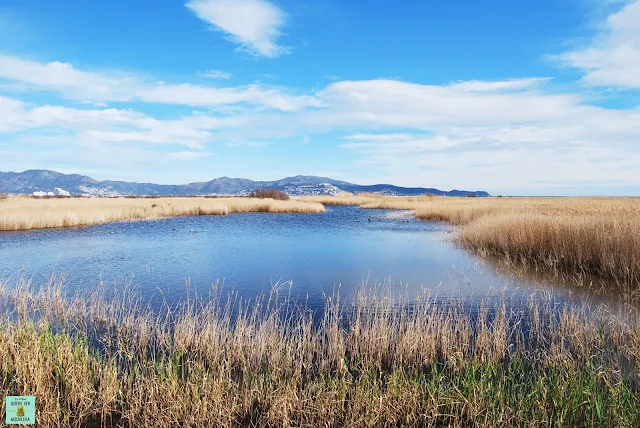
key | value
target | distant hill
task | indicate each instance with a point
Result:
(300, 185)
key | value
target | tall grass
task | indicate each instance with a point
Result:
(367, 362)
(337, 200)
(369, 200)
(587, 237)
(582, 237)
(28, 213)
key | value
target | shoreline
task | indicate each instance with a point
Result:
(21, 214)
(581, 237)
(584, 237)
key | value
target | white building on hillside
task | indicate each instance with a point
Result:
(56, 192)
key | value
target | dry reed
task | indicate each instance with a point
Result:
(337, 200)
(581, 237)
(92, 361)
(28, 213)
(368, 200)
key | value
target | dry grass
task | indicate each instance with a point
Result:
(96, 362)
(586, 237)
(337, 200)
(582, 237)
(369, 200)
(28, 213)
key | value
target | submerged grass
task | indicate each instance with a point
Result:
(28, 213)
(585, 238)
(92, 361)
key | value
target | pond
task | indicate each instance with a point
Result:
(306, 255)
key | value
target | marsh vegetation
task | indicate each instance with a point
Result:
(376, 357)
(21, 213)
(583, 238)
(374, 360)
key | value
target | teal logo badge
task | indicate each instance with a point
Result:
(20, 410)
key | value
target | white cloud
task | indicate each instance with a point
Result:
(392, 103)
(613, 58)
(16, 115)
(391, 144)
(63, 77)
(97, 88)
(508, 160)
(104, 125)
(505, 85)
(217, 74)
(203, 96)
(253, 24)
(104, 160)
(510, 170)
(493, 137)
(504, 136)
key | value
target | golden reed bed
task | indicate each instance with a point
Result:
(585, 237)
(96, 361)
(20, 213)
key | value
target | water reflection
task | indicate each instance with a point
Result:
(308, 256)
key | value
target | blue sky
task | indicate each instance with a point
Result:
(525, 98)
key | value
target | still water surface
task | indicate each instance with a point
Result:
(305, 254)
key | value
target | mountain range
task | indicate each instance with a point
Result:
(31, 181)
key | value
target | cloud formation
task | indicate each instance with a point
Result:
(613, 56)
(436, 135)
(508, 140)
(96, 87)
(253, 24)
(448, 135)
(217, 74)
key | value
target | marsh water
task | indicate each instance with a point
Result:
(305, 255)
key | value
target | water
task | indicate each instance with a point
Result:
(306, 255)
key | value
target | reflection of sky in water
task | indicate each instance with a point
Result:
(252, 252)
